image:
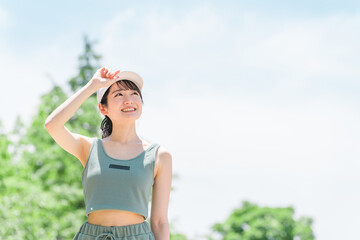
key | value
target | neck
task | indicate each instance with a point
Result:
(124, 133)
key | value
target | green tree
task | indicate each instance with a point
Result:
(251, 222)
(88, 65)
(174, 235)
(48, 161)
(4, 156)
(41, 195)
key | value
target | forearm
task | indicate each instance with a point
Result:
(66, 110)
(161, 231)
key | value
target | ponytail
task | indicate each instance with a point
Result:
(106, 127)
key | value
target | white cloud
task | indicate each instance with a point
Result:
(5, 21)
(312, 49)
(229, 148)
(162, 45)
(28, 75)
(245, 52)
(247, 134)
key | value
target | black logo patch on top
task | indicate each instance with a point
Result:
(119, 166)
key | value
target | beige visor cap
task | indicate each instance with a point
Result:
(125, 75)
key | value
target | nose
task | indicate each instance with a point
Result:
(128, 100)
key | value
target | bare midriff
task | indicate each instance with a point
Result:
(112, 218)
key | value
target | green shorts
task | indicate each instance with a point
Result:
(140, 231)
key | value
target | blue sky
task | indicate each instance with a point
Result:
(255, 100)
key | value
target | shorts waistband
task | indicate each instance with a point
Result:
(116, 231)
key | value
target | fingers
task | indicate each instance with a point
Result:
(112, 75)
(115, 75)
(106, 73)
(102, 70)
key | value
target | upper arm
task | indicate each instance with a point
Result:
(162, 187)
(75, 144)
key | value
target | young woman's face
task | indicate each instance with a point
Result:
(123, 104)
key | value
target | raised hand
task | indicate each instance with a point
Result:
(103, 77)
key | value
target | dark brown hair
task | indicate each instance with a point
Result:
(106, 124)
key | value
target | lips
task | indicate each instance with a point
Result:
(128, 109)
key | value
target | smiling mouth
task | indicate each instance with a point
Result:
(128, 110)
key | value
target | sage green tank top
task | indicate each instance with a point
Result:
(110, 183)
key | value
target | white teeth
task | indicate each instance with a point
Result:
(128, 109)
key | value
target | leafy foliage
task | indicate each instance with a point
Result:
(251, 222)
(41, 195)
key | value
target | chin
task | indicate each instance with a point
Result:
(131, 117)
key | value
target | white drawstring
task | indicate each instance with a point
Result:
(106, 235)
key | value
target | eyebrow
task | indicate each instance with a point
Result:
(118, 90)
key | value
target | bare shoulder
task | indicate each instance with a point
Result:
(163, 160)
(163, 155)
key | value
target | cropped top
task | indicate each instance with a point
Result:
(110, 183)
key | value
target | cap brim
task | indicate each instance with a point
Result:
(125, 75)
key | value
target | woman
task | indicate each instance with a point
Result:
(121, 169)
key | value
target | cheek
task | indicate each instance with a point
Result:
(138, 101)
(116, 102)
(140, 106)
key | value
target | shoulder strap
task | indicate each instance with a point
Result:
(94, 144)
(152, 150)
(151, 153)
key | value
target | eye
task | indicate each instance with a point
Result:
(136, 93)
(118, 94)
